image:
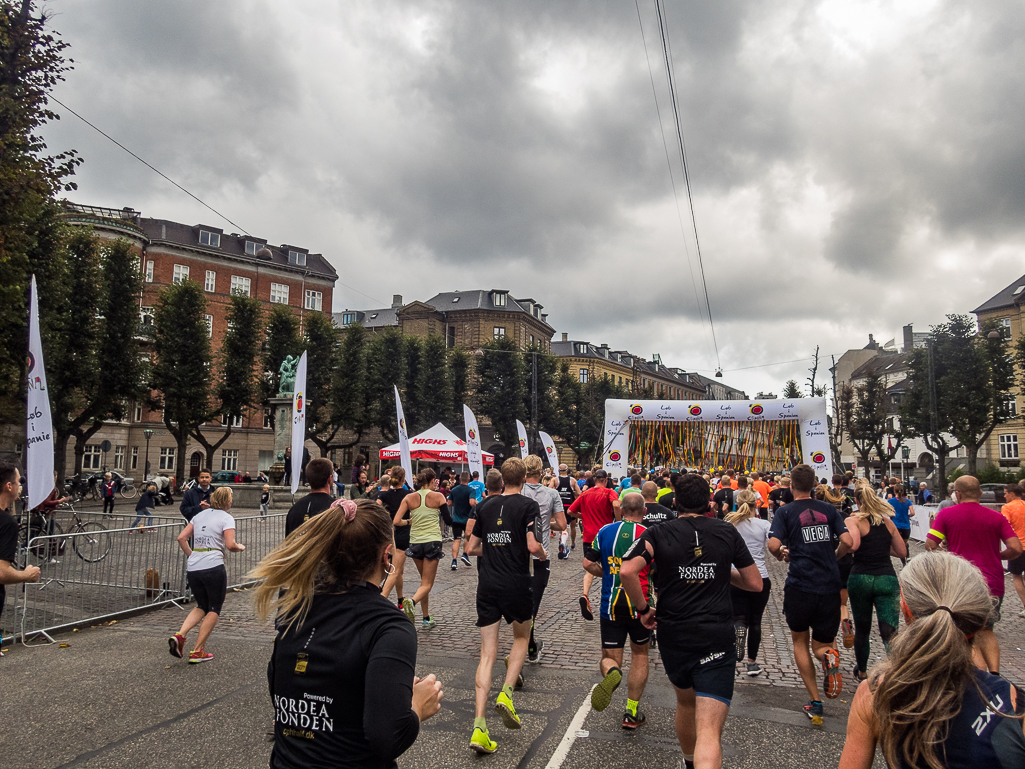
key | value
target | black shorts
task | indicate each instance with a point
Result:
(818, 611)
(209, 586)
(1017, 565)
(846, 564)
(492, 608)
(458, 529)
(710, 673)
(994, 616)
(401, 538)
(425, 551)
(615, 631)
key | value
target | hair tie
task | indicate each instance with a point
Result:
(348, 508)
(946, 609)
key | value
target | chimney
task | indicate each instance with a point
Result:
(909, 338)
(396, 301)
(565, 336)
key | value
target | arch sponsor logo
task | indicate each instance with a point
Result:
(522, 444)
(472, 434)
(615, 456)
(757, 409)
(818, 458)
(299, 402)
(402, 425)
(548, 449)
(694, 410)
(636, 409)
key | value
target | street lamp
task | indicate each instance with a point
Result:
(149, 434)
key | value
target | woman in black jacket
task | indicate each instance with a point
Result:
(342, 678)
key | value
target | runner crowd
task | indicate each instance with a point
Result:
(681, 560)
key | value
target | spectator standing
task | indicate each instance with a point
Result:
(339, 486)
(975, 533)
(286, 479)
(265, 500)
(10, 490)
(358, 466)
(924, 496)
(107, 491)
(197, 499)
(147, 501)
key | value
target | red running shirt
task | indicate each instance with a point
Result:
(595, 509)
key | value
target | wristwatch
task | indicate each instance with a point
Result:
(645, 611)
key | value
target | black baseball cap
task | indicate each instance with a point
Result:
(600, 474)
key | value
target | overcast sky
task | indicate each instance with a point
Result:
(855, 166)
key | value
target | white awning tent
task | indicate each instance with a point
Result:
(436, 444)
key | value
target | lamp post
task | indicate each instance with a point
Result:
(148, 433)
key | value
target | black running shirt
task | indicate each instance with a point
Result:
(502, 526)
(695, 557)
(655, 513)
(810, 530)
(565, 489)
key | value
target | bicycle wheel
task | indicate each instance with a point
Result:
(128, 491)
(92, 542)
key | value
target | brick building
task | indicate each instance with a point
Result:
(170, 252)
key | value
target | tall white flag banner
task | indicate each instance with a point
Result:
(39, 429)
(550, 451)
(298, 421)
(522, 432)
(473, 456)
(404, 458)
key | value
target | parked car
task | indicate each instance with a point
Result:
(993, 493)
(225, 476)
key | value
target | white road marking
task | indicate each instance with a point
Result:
(572, 732)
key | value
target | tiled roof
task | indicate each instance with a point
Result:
(369, 318)
(1006, 298)
(450, 301)
(883, 364)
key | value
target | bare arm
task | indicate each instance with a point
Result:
(855, 530)
(230, 543)
(558, 522)
(860, 747)
(536, 548)
(593, 568)
(184, 537)
(1012, 551)
(474, 547)
(400, 516)
(846, 541)
(777, 550)
(931, 544)
(898, 547)
(748, 578)
(617, 510)
(11, 576)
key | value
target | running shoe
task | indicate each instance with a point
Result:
(832, 680)
(754, 669)
(177, 644)
(601, 695)
(814, 712)
(585, 608)
(197, 657)
(519, 679)
(534, 653)
(482, 742)
(428, 623)
(455, 566)
(847, 628)
(465, 559)
(504, 706)
(407, 609)
(631, 721)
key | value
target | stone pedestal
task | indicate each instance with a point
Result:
(282, 411)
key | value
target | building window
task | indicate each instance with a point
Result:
(211, 239)
(91, 458)
(119, 457)
(297, 257)
(314, 300)
(1010, 406)
(167, 457)
(347, 318)
(583, 376)
(149, 271)
(229, 459)
(209, 325)
(252, 248)
(451, 337)
(211, 281)
(181, 272)
(135, 457)
(268, 420)
(278, 293)
(499, 332)
(240, 285)
(499, 298)
(1009, 446)
(1004, 327)
(236, 421)
(146, 316)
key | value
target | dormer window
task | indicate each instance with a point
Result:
(252, 248)
(212, 239)
(349, 317)
(499, 298)
(297, 257)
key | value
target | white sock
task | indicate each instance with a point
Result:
(563, 538)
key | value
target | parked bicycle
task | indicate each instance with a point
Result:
(44, 538)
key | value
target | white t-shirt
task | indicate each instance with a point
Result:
(208, 538)
(755, 533)
(550, 503)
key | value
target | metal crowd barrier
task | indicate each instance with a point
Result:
(106, 572)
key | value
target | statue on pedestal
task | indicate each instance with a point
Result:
(286, 384)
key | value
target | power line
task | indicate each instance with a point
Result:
(150, 166)
(664, 32)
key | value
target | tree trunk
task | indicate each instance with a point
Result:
(941, 477)
(79, 457)
(973, 459)
(60, 457)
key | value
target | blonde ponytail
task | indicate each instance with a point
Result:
(745, 508)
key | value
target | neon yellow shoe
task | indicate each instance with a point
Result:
(601, 695)
(481, 742)
(504, 706)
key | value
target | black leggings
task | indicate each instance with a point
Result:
(538, 583)
(748, 608)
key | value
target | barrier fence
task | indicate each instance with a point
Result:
(107, 569)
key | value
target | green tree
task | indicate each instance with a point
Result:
(413, 406)
(867, 424)
(386, 369)
(566, 422)
(352, 408)
(320, 336)
(791, 390)
(500, 388)
(31, 63)
(540, 374)
(237, 384)
(434, 383)
(181, 370)
(459, 365)
(592, 414)
(281, 340)
(919, 410)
